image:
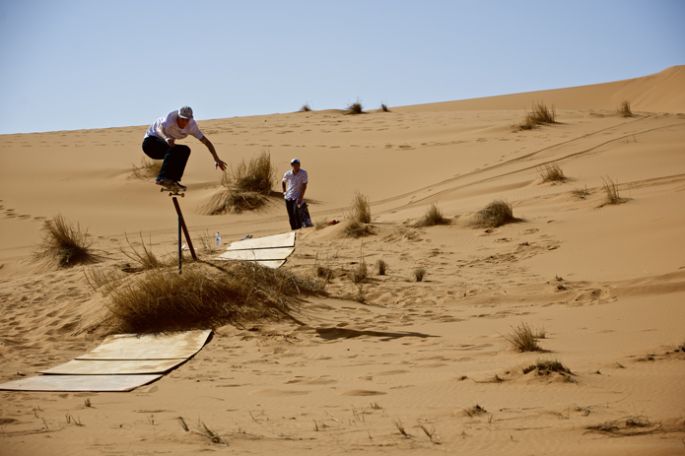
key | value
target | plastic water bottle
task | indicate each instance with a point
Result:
(217, 239)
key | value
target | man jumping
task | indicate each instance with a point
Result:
(160, 144)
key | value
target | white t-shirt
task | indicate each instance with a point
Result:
(293, 183)
(170, 128)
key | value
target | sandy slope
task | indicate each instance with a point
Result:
(606, 283)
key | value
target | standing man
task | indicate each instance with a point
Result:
(160, 144)
(294, 185)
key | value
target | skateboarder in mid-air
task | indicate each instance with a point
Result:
(160, 144)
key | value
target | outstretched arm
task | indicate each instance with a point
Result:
(219, 162)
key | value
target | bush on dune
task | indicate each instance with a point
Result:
(624, 109)
(205, 296)
(64, 245)
(359, 222)
(540, 114)
(495, 214)
(355, 108)
(432, 217)
(551, 172)
(246, 188)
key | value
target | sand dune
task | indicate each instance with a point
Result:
(388, 366)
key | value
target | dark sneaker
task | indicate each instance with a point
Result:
(180, 185)
(166, 183)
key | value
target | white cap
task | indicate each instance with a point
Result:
(185, 112)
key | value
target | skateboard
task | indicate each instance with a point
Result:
(174, 191)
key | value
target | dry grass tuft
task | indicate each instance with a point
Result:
(539, 114)
(433, 217)
(246, 188)
(147, 169)
(360, 273)
(551, 172)
(208, 243)
(419, 274)
(359, 221)
(64, 245)
(547, 367)
(523, 339)
(400, 428)
(305, 108)
(384, 108)
(205, 296)
(143, 258)
(611, 190)
(361, 210)
(355, 108)
(476, 410)
(495, 214)
(624, 109)
(381, 267)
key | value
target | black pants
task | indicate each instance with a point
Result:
(175, 158)
(293, 214)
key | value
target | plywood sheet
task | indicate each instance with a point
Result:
(97, 383)
(267, 242)
(273, 264)
(149, 346)
(116, 367)
(278, 253)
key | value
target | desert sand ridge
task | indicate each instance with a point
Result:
(382, 364)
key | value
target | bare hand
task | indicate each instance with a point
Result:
(220, 164)
(171, 142)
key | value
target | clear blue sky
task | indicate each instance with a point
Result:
(90, 64)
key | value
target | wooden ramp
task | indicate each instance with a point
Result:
(121, 362)
(269, 251)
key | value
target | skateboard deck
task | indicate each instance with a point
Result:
(173, 191)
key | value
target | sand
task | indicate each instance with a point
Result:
(392, 366)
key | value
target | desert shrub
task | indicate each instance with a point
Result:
(144, 258)
(624, 109)
(245, 188)
(495, 214)
(324, 272)
(148, 168)
(419, 274)
(305, 108)
(360, 273)
(104, 280)
(204, 296)
(551, 172)
(384, 108)
(64, 245)
(523, 339)
(381, 267)
(355, 108)
(546, 367)
(611, 191)
(540, 114)
(361, 210)
(476, 410)
(433, 217)
(358, 224)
